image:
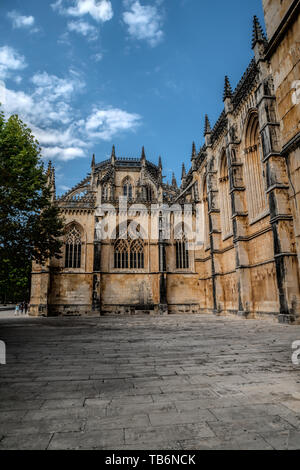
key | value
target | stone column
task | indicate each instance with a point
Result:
(239, 219)
(278, 196)
(214, 223)
(96, 301)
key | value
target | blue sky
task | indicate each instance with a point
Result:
(86, 74)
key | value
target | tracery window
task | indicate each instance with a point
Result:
(105, 192)
(182, 254)
(73, 248)
(181, 246)
(225, 198)
(137, 254)
(127, 188)
(121, 252)
(256, 196)
(149, 193)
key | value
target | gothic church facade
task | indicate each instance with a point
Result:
(246, 176)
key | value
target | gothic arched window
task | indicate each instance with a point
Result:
(149, 193)
(181, 245)
(127, 188)
(225, 199)
(182, 254)
(121, 250)
(105, 192)
(256, 196)
(137, 254)
(73, 248)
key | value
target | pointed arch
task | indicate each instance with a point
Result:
(149, 192)
(225, 199)
(253, 169)
(121, 254)
(105, 192)
(181, 246)
(127, 187)
(137, 254)
(73, 246)
(129, 250)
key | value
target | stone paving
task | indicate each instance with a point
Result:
(157, 383)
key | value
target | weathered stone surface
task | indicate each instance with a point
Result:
(209, 383)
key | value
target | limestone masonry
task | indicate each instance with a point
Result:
(247, 178)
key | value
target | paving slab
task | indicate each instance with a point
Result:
(147, 382)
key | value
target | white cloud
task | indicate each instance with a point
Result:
(97, 57)
(84, 28)
(53, 87)
(10, 60)
(65, 154)
(49, 113)
(18, 79)
(105, 123)
(20, 21)
(144, 22)
(99, 10)
(63, 187)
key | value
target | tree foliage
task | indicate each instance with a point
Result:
(30, 225)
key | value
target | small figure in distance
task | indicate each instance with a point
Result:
(17, 310)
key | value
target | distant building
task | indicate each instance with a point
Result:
(246, 176)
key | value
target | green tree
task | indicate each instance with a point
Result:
(30, 224)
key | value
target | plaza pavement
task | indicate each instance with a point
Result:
(149, 382)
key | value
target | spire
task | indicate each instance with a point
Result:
(207, 127)
(51, 180)
(143, 156)
(194, 152)
(113, 155)
(174, 182)
(227, 89)
(159, 163)
(183, 174)
(93, 161)
(258, 35)
(49, 169)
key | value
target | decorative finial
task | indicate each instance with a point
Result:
(183, 174)
(207, 127)
(143, 155)
(93, 161)
(258, 35)
(227, 89)
(174, 182)
(194, 151)
(159, 162)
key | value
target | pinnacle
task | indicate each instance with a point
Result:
(258, 34)
(207, 127)
(227, 89)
